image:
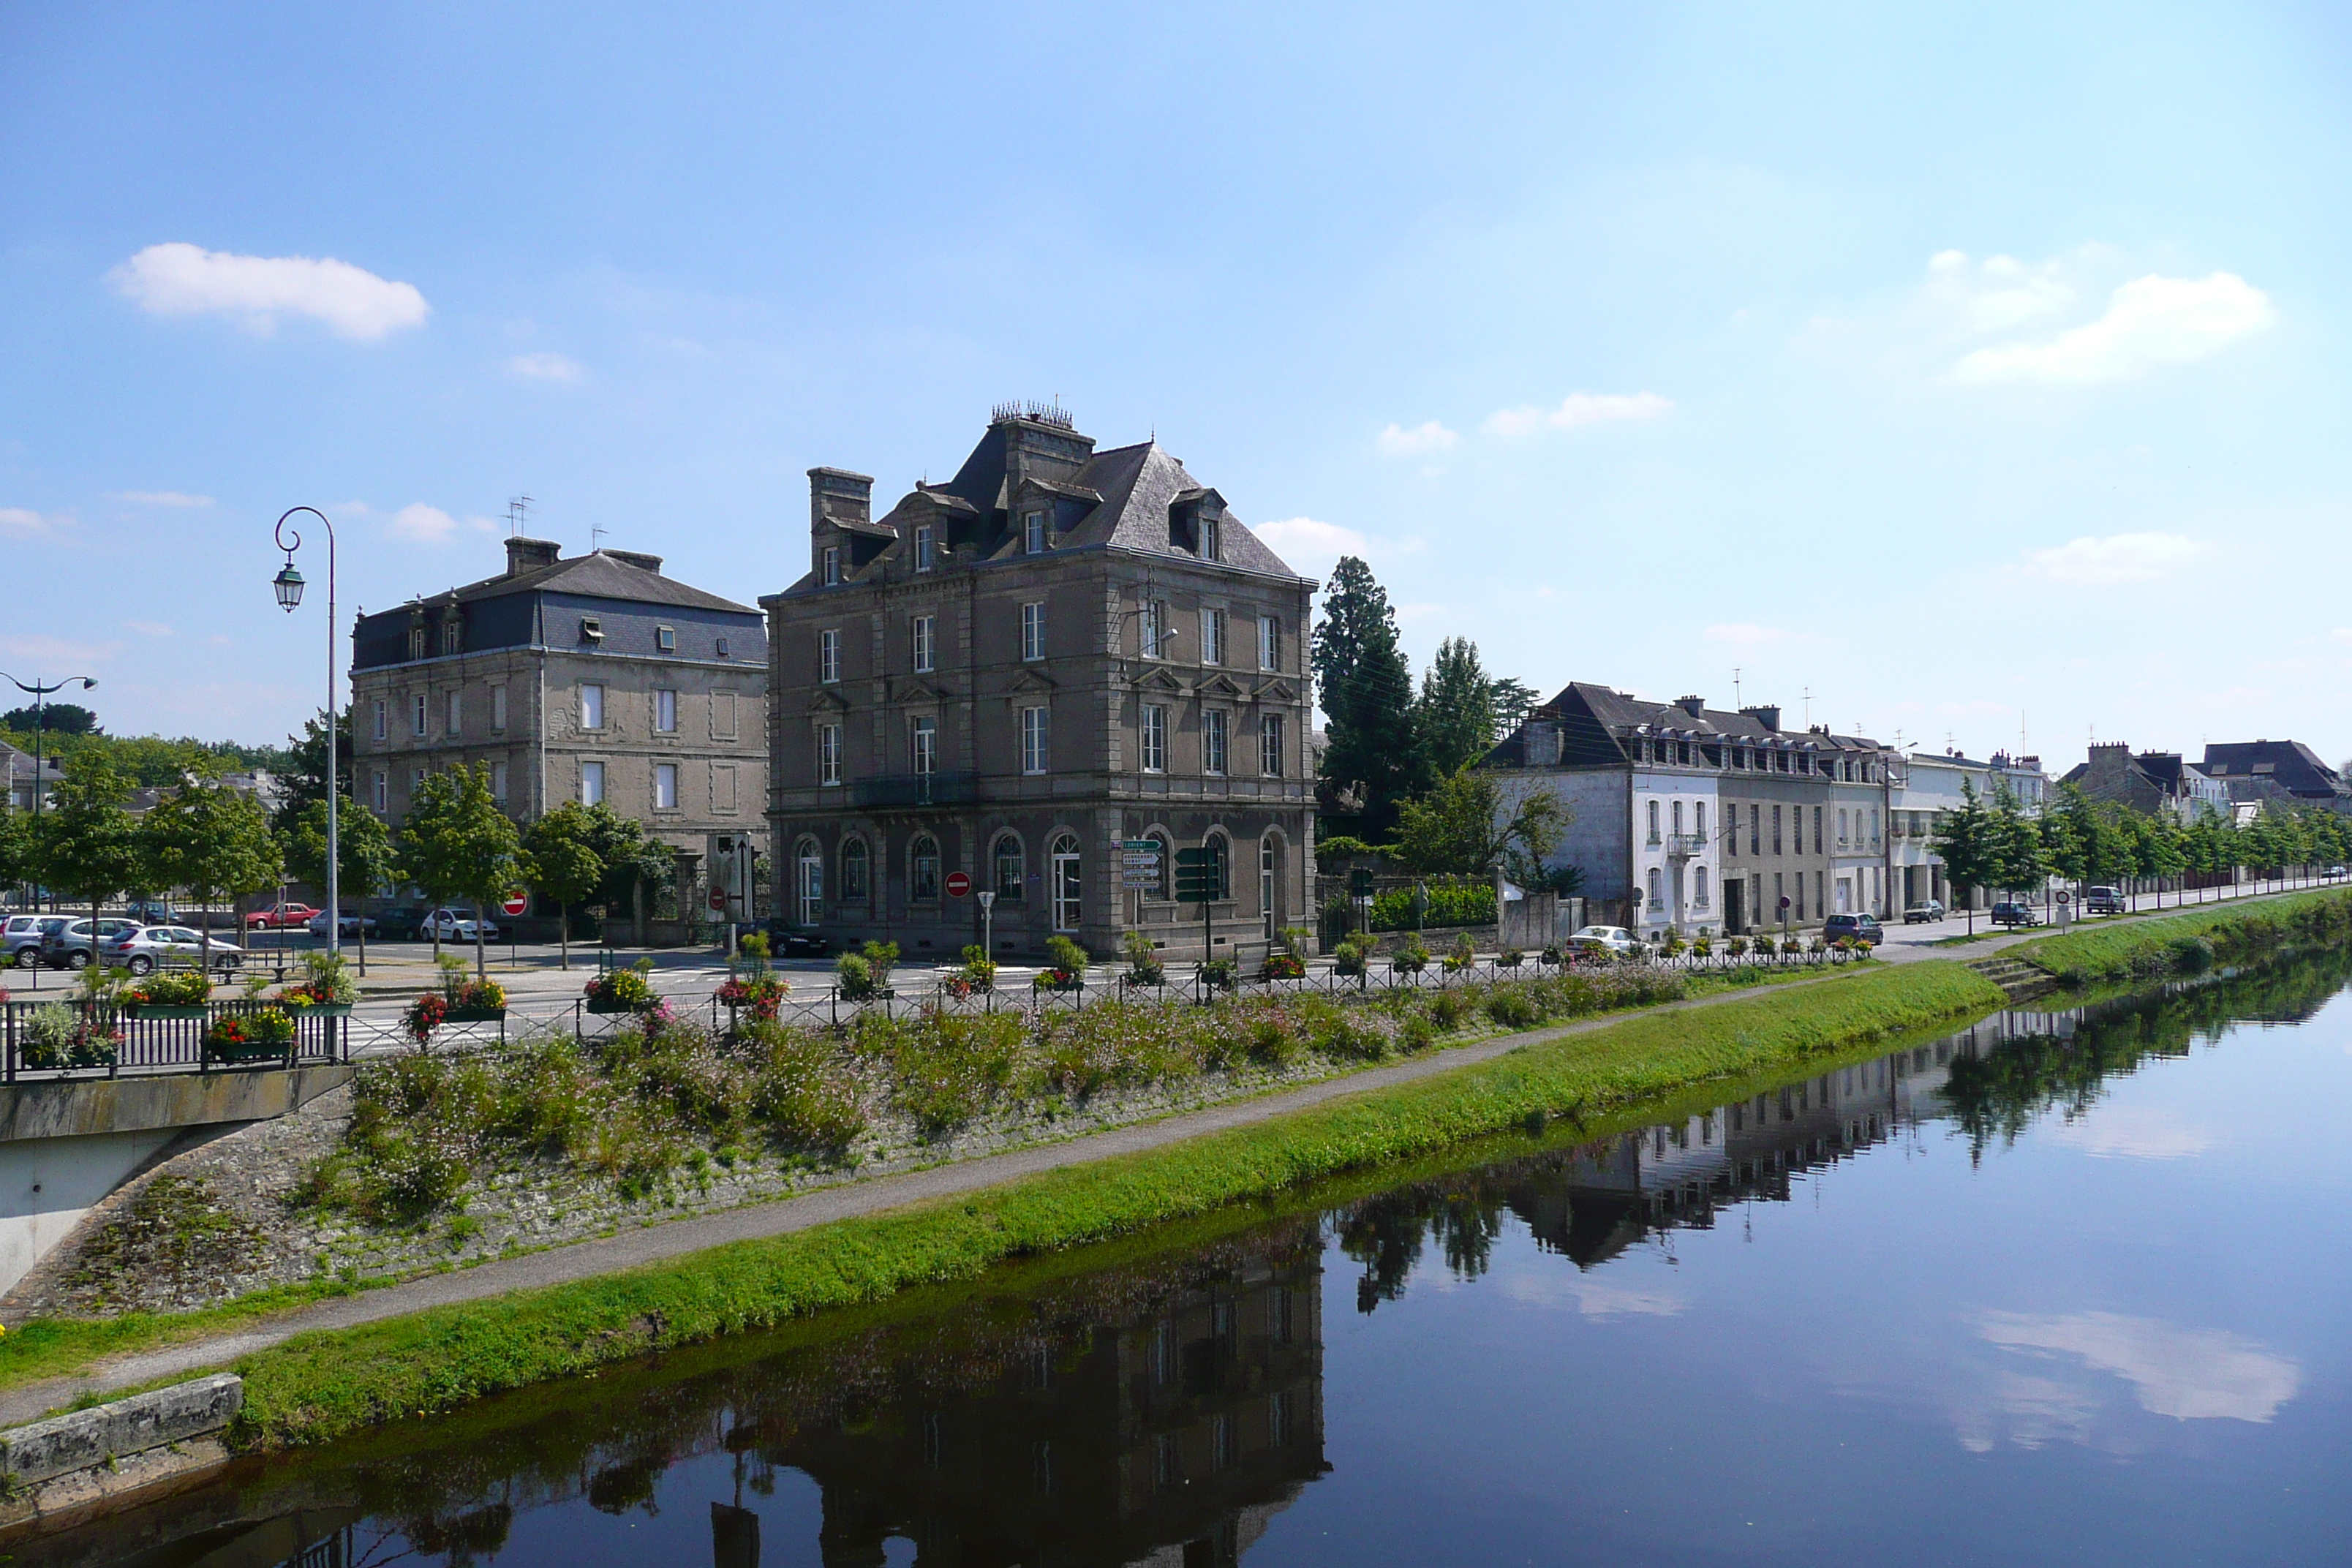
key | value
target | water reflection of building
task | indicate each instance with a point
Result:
(1172, 1438)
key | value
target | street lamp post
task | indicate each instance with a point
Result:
(40, 694)
(288, 586)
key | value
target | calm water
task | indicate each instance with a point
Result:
(2064, 1287)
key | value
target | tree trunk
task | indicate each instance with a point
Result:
(481, 959)
(563, 915)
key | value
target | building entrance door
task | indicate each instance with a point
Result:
(1067, 883)
(812, 888)
(1735, 922)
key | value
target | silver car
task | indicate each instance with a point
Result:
(1604, 939)
(156, 947)
(21, 937)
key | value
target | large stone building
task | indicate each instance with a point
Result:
(2276, 775)
(593, 679)
(1011, 675)
(2151, 782)
(1928, 786)
(1685, 817)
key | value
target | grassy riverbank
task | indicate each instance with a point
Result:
(2191, 941)
(321, 1386)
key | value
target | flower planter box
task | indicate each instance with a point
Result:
(243, 1055)
(602, 1004)
(319, 1009)
(474, 1015)
(166, 1010)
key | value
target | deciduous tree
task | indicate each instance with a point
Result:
(89, 844)
(456, 843)
(211, 842)
(363, 848)
(1465, 827)
(564, 863)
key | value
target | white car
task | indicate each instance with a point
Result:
(352, 925)
(453, 925)
(144, 952)
(1604, 939)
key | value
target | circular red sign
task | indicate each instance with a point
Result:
(957, 884)
(516, 904)
(718, 898)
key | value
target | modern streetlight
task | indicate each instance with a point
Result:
(40, 694)
(287, 584)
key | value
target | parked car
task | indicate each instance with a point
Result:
(279, 916)
(2103, 902)
(68, 945)
(349, 924)
(1923, 912)
(22, 936)
(788, 940)
(1863, 929)
(152, 912)
(1605, 938)
(403, 925)
(2007, 914)
(150, 948)
(456, 925)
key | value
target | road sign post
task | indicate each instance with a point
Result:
(987, 925)
(1200, 879)
(959, 885)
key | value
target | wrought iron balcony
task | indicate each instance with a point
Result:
(1683, 846)
(914, 790)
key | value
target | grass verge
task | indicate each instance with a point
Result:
(2191, 941)
(320, 1386)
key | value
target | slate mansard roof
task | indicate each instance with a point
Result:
(2290, 765)
(1595, 721)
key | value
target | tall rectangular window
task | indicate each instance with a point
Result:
(1269, 642)
(498, 707)
(1755, 830)
(829, 754)
(417, 709)
(1033, 532)
(665, 712)
(1035, 739)
(1212, 636)
(926, 737)
(1152, 639)
(592, 706)
(1033, 631)
(665, 786)
(1155, 738)
(592, 783)
(382, 707)
(923, 626)
(456, 714)
(923, 555)
(1212, 741)
(1654, 822)
(498, 783)
(831, 565)
(1270, 745)
(828, 654)
(382, 794)
(452, 638)
(1817, 838)
(1776, 830)
(1211, 545)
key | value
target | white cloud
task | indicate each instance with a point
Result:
(1578, 408)
(2149, 321)
(160, 497)
(545, 367)
(2132, 1133)
(1592, 1297)
(58, 650)
(2185, 1373)
(151, 628)
(1311, 539)
(1999, 294)
(1398, 441)
(2118, 558)
(426, 524)
(182, 280)
(23, 518)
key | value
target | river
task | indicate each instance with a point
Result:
(2057, 1289)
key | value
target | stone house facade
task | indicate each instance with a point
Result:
(2152, 782)
(1926, 787)
(593, 679)
(2275, 775)
(1013, 674)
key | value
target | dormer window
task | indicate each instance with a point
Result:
(665, 638)
(1033, 532)
(829, 566)
(592, 629)
(1210, 542)
(453, 637)
(416, 641)
(722, 647)
(923, 552)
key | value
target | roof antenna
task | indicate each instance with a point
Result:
(1735, 688)
(518, 514)
(1808, 707)
(595, 538)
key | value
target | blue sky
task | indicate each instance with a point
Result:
(1966, 367)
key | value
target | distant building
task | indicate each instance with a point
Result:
(2153, 783)
(23, 779)
(595, 678)
(1929, 785)
(1687, 816)
(1009, 676)
(2276, 774)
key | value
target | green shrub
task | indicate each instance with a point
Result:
(1513, 1009)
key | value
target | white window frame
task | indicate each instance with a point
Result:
(1036, 740)
(924, 554)
(1065, 882)
(924, 634)
(419, 713)
(1212, 636)
(1215, 736)
(1151, 635)
(592, 705)
(1033, 630)
(454, 711)
(1153, 733)
(665, 783)
(830, 565)
(828, 656)
(665, 711)
(499, 708)
(1270, 745)
(1269, 642)
(592, 783)
(498, 783)
(923, 745)
(665, 638)
(383, 793)
(1032, 533)
(829, 755)
(383, 717)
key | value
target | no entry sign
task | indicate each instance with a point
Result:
(515, 903)
(957, 884)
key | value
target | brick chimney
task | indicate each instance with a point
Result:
(523, 554)
(1768, 716)
(638, 558)
(1693, 706)
(836, 496)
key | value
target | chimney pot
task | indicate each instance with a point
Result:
(523, 554)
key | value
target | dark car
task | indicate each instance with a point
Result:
(2014, 914)
(2103, 902)
(1852, 928)
(788, 940)
(400, 924)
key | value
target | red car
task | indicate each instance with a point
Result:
(281, 918)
